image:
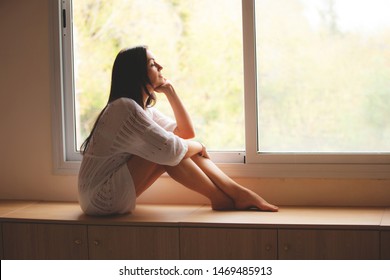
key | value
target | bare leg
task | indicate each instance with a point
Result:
(243, 197)
(191, 176)
(145, 173)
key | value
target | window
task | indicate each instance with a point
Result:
(299, 87)
(320, 85)
(323, 76)
(200, 48)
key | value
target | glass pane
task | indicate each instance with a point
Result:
(198, 42)
(323, 73)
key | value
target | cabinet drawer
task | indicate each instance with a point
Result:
(44, 241)
(227, 243)
(328, 244)
(128, 242)
(1, 242)
(385, 245)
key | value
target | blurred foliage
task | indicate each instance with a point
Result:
(198, 42)
(320, 87)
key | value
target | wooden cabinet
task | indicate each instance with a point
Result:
(129, 242)
(385, 244)
(66, 241)
(228, 243)
(300, 244)
(47, 241)
(317, 244)
(1, 243)
(44, 241)
(61, 231)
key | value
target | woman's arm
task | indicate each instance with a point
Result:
(196, 148)
(184, 128)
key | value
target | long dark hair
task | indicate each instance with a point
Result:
(129, 79)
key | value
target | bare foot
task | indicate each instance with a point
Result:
(248, 199)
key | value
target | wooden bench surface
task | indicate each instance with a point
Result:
(200, 215)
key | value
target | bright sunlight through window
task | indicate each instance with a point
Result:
(199, 43)
(323, 76)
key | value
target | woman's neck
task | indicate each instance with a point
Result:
(145, 95)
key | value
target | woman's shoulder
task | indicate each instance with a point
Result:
(125, 103)
(126, 106)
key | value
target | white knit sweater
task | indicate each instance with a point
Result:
(124, 130)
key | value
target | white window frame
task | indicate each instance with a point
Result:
(251, 163)
(370, 165)
(62, 108)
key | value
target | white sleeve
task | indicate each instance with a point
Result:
(161, 119)
(142, 136)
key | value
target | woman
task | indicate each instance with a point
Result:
(132, 144)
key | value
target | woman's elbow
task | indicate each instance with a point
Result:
(185, 134)
(189, 135)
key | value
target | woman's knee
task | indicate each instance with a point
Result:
(142, 170)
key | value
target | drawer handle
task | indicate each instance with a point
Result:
(268, 247)
(286, 248)
(96, 242)
(77, 242)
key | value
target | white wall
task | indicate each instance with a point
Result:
(25, 104)
(25, 127)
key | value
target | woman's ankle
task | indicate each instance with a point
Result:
(222, 202)
(248, 199)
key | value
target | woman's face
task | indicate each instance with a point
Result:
(154, 70)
